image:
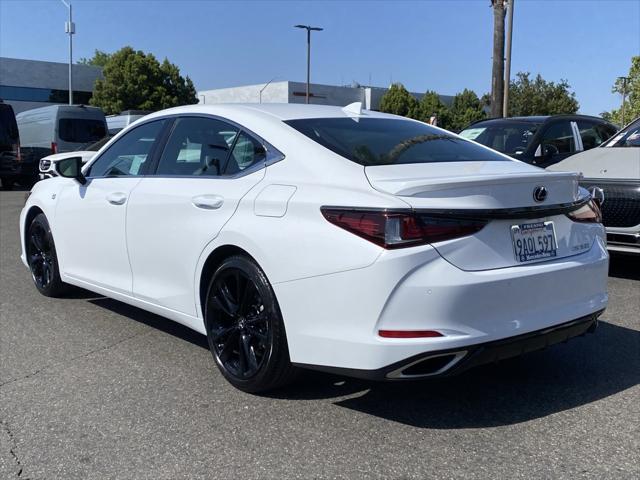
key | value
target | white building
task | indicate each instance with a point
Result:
(295, 92)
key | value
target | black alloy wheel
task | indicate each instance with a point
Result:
(245, 329)
(42, 259)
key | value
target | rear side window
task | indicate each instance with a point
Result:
(386, 141)
(8, 127)
(197, 147)
(593, 134)
(80, 130)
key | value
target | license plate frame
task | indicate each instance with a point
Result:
(537, 241)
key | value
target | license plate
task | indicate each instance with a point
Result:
(533, 241)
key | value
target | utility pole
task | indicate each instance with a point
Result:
(624, 81)
(497, 74)
(309, 28)
(70, 28)
(507, 67)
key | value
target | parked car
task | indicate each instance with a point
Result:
(115, 123)
(57, 129)
(49, 164)
(541, 141)
(322, 237)
(615, 169)
(10, 159)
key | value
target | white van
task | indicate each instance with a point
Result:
(115, 123)
(57, 129)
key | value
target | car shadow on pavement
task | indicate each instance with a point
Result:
(535, 385)
(624, 265)
(517, 390)
(152, 320)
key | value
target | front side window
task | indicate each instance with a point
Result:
(558, 138)
(197, 147)
(80, 130)
(129, 154)
(386, 141)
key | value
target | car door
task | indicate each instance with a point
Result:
(90, 218)
(557, 142)
(207, 165)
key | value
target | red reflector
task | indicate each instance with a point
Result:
(409, 333)
(54, 147)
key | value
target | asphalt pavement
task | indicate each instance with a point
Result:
(91, 388)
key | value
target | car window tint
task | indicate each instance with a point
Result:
(246, 152)
(81, 130)
(387, 141)
(197, 147)
(560, 136)
(593, 134)
(129, 153)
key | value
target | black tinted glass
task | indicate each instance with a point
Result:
(80, 130)
(512, 138)
(382, 141)
(8, 126)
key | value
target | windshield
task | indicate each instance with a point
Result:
(94, 146)
(627, 137)
(511, 138)
(388, 141)
(81, 130)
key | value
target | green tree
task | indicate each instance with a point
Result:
(137, 81)
(99, 59)
(465, 109)
(429, 105)
(399, 101)
(539, 97)
(632, 103)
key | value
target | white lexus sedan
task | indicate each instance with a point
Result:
(321, 237)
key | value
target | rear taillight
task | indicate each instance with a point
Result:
(16, 151)
(54, 147)
(394, 229)
(588, 213)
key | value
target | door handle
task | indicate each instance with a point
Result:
(117, 198)
(208, 202)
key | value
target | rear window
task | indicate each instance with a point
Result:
(386, 141)
(80, 130)
(8, 126)
(512, 138)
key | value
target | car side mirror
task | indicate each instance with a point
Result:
(71, 168)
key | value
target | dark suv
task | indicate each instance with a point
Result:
(9, 145)
(541, 141)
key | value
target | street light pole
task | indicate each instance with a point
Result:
(308, 28)
(70, 28)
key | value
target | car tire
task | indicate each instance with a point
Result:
(42, 258)
(245, 329)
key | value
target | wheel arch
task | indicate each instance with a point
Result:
(213, 261)
(32, 213)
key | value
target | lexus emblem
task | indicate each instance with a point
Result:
(540, 194)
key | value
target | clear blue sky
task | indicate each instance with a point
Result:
(444, 45)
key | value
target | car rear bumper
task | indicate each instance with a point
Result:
(454, 361)
(334, 320)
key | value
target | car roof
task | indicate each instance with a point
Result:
(538, 119)
(280, 111)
